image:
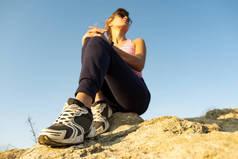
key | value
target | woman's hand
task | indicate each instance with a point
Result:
(94, 32)
(95, 29)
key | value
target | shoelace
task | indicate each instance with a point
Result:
(97, 112)
(68, 113)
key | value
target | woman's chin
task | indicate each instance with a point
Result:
(122, 26)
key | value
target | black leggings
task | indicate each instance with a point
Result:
(103, 69)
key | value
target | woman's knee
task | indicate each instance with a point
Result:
(97, 40)
(96, 46)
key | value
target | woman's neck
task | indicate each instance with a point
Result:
(118, 36)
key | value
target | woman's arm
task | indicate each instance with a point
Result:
(137, 62)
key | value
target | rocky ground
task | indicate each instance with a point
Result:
(212, 136)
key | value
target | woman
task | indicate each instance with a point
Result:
(110, 81)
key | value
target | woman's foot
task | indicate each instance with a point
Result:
(71, 127)
(101, 113)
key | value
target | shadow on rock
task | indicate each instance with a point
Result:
(121, 124)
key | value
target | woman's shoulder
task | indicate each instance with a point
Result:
(138, 41)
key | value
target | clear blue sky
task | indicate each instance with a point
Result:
(191, 65)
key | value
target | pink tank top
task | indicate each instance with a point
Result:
(129, 48)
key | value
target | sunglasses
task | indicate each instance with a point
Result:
(122, 14)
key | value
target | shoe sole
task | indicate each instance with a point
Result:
(45, 140)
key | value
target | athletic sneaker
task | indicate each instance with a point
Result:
(101, 113)
(71, 127)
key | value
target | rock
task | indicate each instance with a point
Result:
(118, 120)
(214, 135)
(12, 154)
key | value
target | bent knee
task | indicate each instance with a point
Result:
(97, 39)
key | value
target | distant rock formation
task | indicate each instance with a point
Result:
(214, 135)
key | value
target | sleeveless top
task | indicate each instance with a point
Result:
(129, 48)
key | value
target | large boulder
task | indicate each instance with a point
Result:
(214, 135)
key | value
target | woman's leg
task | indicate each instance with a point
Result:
(75, 121)
(101, 63)
(95, 63)
(84, 98)
(99, 96)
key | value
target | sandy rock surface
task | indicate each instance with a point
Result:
(212, 136)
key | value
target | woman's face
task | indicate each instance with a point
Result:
(120, 22)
